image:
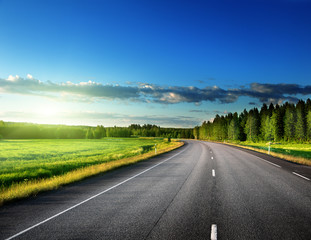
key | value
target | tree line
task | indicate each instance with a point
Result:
(10, 130)
(287, 122)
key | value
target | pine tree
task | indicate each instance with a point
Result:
(309, 125)
(300, 130)
(289, 122)
(242, 120)
(252, 125)
(264, 113)
(278, 122)
(196, 132)
(2, 125)
(234, 128)
(271, 109)
(308, 105)
(89, 134)
(269, 129)
(308, 118)
(217, 128)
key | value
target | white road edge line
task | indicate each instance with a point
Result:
(213, 172)
(301, 176)
(68, 209)
(214, 232)
(271, 163)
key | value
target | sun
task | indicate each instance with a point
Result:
(47, 111)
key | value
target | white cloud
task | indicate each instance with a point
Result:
(171, 97)
(91, 91)
(87, 83)
(11, 78)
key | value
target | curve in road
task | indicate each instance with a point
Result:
(201, 191)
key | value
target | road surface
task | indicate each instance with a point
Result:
(200, 191)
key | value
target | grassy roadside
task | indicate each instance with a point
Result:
(33, 187)
(296, 153)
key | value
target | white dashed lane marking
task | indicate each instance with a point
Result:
(214, 232)
(301, 176)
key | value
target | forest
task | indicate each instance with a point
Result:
(12, 130)
(280, 123)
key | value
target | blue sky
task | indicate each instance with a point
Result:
(170, 63)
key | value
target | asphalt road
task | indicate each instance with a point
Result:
(199, 191)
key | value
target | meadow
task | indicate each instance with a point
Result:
(33, 162)
(294, 152)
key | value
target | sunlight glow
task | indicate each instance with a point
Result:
(47, 111)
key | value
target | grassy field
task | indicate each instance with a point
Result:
(294, 152)
(30, 163)
(293, 149)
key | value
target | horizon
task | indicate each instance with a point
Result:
(164, 63)
(94, 126)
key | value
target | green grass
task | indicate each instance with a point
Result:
(293, 149)
(28, 167)
(294, 152)
(26, 160)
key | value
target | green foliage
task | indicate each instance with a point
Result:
(309, 125)
(196, 132)
(242, 119)
(288, 122)
(301, 126)
(220, 129)
(99, 132)
(252, 125)
(40, 131)
(269, 129)
(234, 128)
(90, 134)
(264, 113)
(278, 123)
(147, 148)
